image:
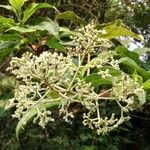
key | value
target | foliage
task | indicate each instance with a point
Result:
(52, 79)
(82, 76)
(74, 135)
(17, 30)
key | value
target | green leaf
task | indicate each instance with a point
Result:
(145, 74)
(96, 80)
(129, 62)
(68, 43)
(132, 64)
(112, 71)
(67, 32)
(11, 37)
(6, 44)
(8, 7)
(6, 48)
(54, 43)
(6, 52)
(8, 82)
(22, 29)
(88, 65)
(70, 15)
(113, 32)
(123, 52)
(115, 22)
(4, 27)
(91, 147)
(146, 65)
(33, 8)
(17, 4)
(50, 26)
(28, 116)
(53, 95)
(117, 29)
(137, 78)
(8, 21)
(146, 85)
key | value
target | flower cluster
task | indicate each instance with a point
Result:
(89, 40)
(128, 91)
(39, 76)
(125, 92)
(55, 68)
(53, 77)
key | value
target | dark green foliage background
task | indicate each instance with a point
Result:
(63, 136)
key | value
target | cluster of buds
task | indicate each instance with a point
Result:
(89, 40)
(53, 77)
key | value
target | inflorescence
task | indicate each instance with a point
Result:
(53, 77)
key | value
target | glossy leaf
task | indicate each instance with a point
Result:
(69, 15)
(145, 74)
(33, 8)
(113, 32)
(17, 4)
(6, 52)
(146, 65)
(6, 44)
(132, 64)
(6, 48)
(88, 65)
(54, 43)
(4, 26)
(50, 26)
(123, 52)
(67, 32)
(53, 95)
(13, 37)
(22, 29)
(96, 80)
(112, 71)
(146, 85)
(5, 20)
(28, 116)
(117, 29)
(117, 23)
(137, 78)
